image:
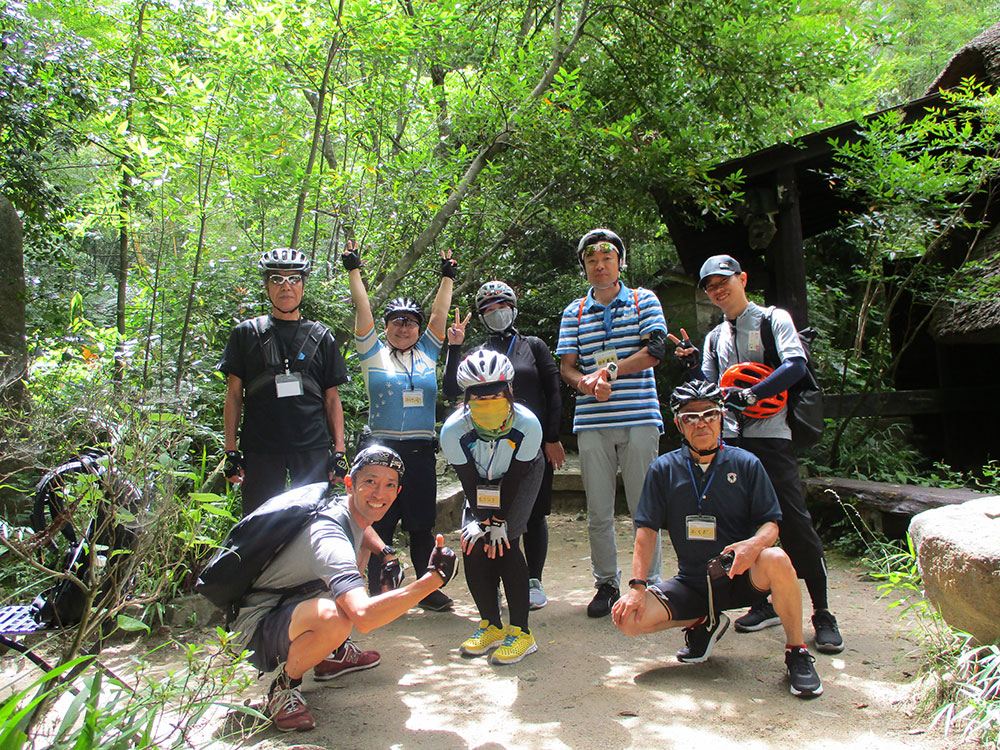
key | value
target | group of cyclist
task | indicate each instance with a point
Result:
(503, 443)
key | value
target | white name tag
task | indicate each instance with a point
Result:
(488, 497)
(701, 528)
(754, 343)
(288, 384)
(605, 357)
(412, 397)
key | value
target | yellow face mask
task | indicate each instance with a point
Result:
(489, 414)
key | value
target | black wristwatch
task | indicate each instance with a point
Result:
(386, 551)
(640, 581)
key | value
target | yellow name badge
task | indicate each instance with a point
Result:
(488, 497)
(701, 528)
(412, 398)
(605, 357)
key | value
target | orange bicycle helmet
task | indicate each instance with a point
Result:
(748, 374)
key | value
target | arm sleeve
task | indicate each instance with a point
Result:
(548, 376)
(790, 372)
(449, 383)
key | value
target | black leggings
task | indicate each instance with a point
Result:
(483, 576)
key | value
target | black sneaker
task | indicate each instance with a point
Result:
(804, 682)
(828, 638)
(607, 594)
(436, 601)
(699, 641)
(759, 616)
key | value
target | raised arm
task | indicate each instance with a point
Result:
(442, 300)
(363, 320)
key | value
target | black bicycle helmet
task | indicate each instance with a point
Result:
(695, 390)
(597, 236)
(402, 305)
(284, 259)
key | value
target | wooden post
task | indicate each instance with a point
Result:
(13, 352)
(784, 255)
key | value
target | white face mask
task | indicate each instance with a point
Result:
(499, 320)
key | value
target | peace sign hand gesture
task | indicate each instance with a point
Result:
(456, 331)
(686, 352)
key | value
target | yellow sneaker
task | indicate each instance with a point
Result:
(485, 639)
(516, 646)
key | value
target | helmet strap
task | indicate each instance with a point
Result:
(710, 452)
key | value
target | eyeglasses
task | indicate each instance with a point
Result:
(278, 279)
(404, 322)
(692, 418)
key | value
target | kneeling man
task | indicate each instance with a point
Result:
(712, 499)
(312, 595)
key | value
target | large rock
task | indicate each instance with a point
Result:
(958, 552)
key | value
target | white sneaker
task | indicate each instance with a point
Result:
(536, 594)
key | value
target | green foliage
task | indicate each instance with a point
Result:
(163, 710)
(964, 679)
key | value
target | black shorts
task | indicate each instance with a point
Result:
(683, 601)
(270, 641)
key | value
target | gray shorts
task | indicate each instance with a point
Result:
(269, 642)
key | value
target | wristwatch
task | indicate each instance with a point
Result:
(612, 370)
(639, 581)
(386, 551)
(749, 396)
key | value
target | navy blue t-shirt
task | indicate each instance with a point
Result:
(740, 497)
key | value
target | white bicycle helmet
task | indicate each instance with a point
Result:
(484, 367)
(284, 259)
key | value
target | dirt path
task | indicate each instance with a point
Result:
(590, 687)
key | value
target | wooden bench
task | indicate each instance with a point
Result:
(886, 508)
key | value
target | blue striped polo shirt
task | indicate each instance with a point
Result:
(588, 327)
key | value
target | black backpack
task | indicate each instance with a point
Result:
(805, 398)
(62, 605)
(254, 542)
(274, 358)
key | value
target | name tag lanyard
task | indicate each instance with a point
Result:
(409, 372)
(704, 493)
(281, 345)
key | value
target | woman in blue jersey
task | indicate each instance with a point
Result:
(494, 446)
(401, 378)
(536, 386)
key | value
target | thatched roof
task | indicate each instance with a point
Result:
(979, 58)
(977, 320)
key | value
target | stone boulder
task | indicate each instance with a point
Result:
(958, 553)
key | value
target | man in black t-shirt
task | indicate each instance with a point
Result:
(282, 376)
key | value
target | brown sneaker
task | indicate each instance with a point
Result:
(289, 712)
(348, 658)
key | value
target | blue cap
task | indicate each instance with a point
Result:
(718, 265)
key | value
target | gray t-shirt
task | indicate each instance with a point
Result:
(324, 553)
(747, 346)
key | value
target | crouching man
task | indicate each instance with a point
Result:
(712, 499)
(308, 600)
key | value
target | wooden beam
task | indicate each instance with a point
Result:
(897, 499)
(908, 403)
